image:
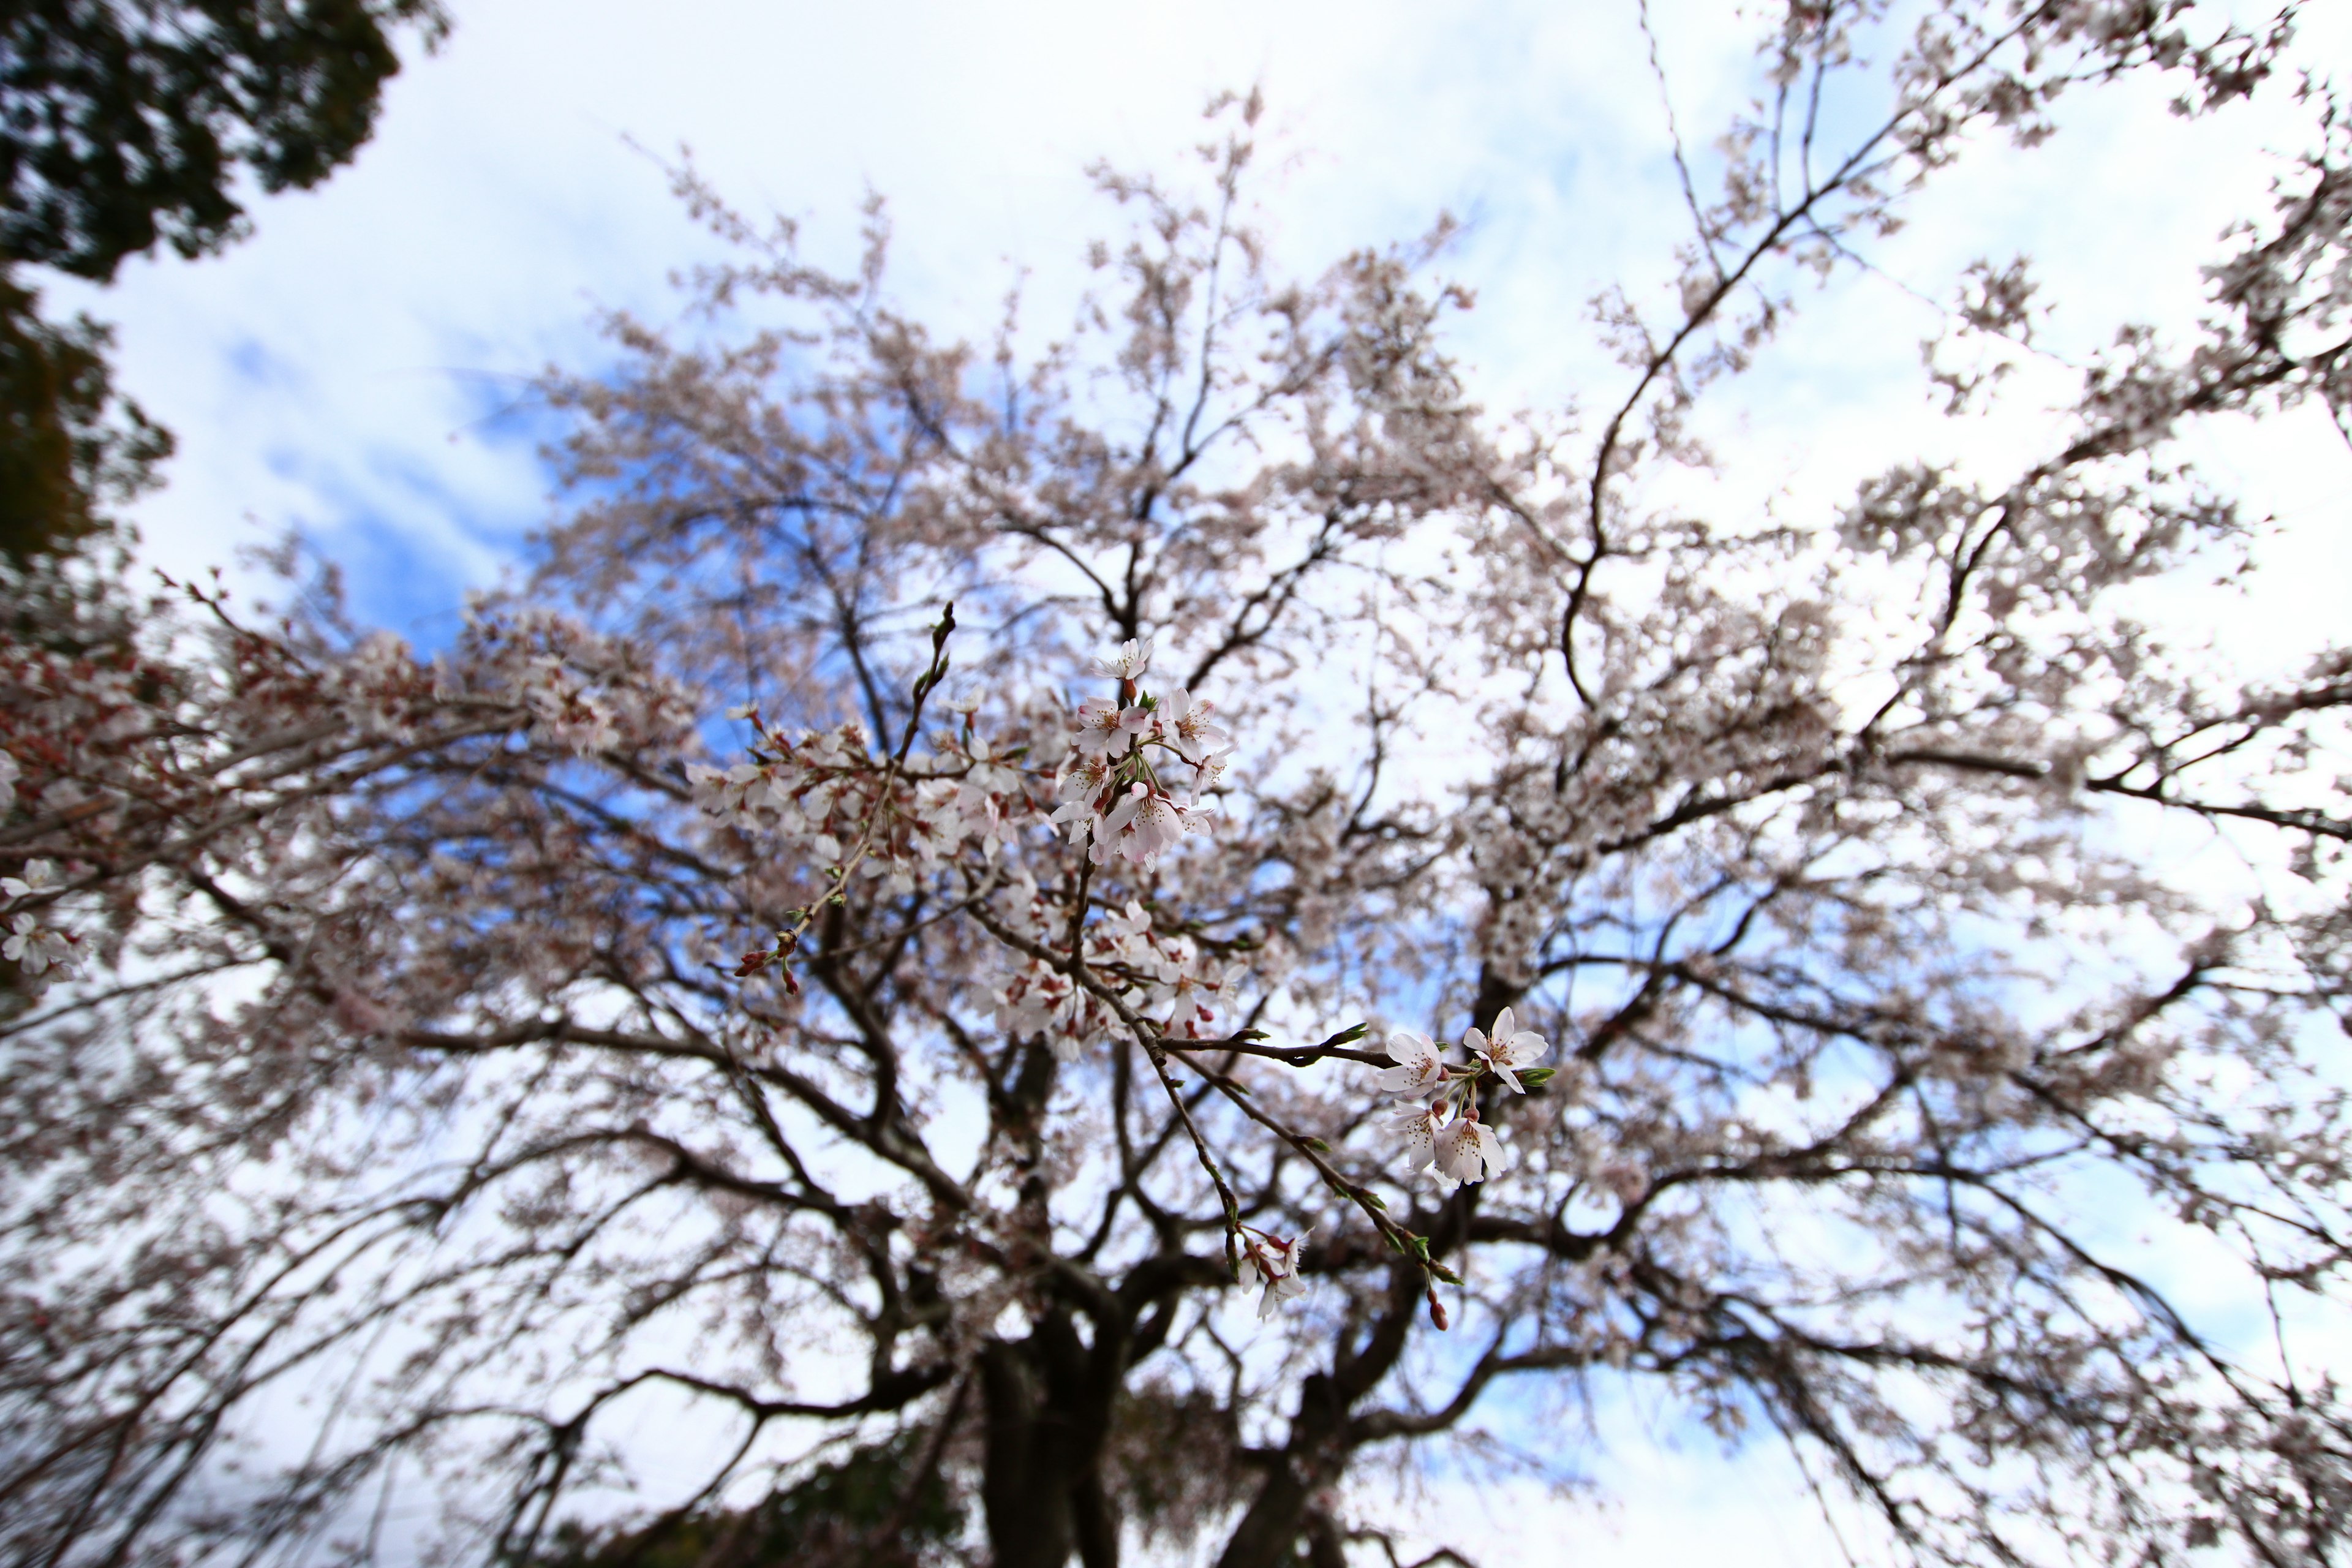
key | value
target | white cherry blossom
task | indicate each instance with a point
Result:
(1210, 772)
(1156, 974)
(988, 799)
(1192, 998)
(989, 774)
(32, 945)
(1273, 1260)
(40, 876)
(1508, 1048)
(1147, 823)
(1468, 1151)
(1087, 777)
(726, 792)
(1132, 922)
(1418, 1126)
(1130, 662)
(1081, 821)
(1421, 1066)
(1184, 723)
(1100, 732)
(1115, 800)
(38, 947)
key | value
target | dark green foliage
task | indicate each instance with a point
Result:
(870, 1510)
(67, 444)
(125, 124)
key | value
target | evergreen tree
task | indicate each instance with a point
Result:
(123, 126)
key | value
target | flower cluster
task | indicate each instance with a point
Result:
(1273, 1261)
(1114, 799)
(585, 692)
(36, 947)
(1163, 977)
(1440, 1124)
(826, 793)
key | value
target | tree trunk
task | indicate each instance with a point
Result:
(1326, 1547)
(1317, 1454)
(1312, 1459)
(1029, 1522)
(1047, 1402)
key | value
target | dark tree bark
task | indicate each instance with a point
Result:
(1047, 1404)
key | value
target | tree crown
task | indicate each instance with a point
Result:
(961, 857)
(122, 126)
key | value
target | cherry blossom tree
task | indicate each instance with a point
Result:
(1014, 955)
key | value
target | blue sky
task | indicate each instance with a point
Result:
(359, 369)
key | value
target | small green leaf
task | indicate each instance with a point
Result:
(1346, 1036)
(1377, 1201)
(1316, 1144)
(1535, 1077)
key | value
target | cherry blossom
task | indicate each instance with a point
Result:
(1421, 1066)
(1418, 1126)
(1148, 822)
(1081, 820)
(1192, 997)
(1086, 777)
(1114, 800)
(40, 876)
(38, 947)
(1040, 1001)
(1130, 663)
(1164, 976)
(1463, 1149)
(1102, 730)
(34, 945)
(1510, 1048)
(1271, 1260)
(827, 795)
(1468, 1151)
(1185, 724)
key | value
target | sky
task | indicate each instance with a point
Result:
(359, 369)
